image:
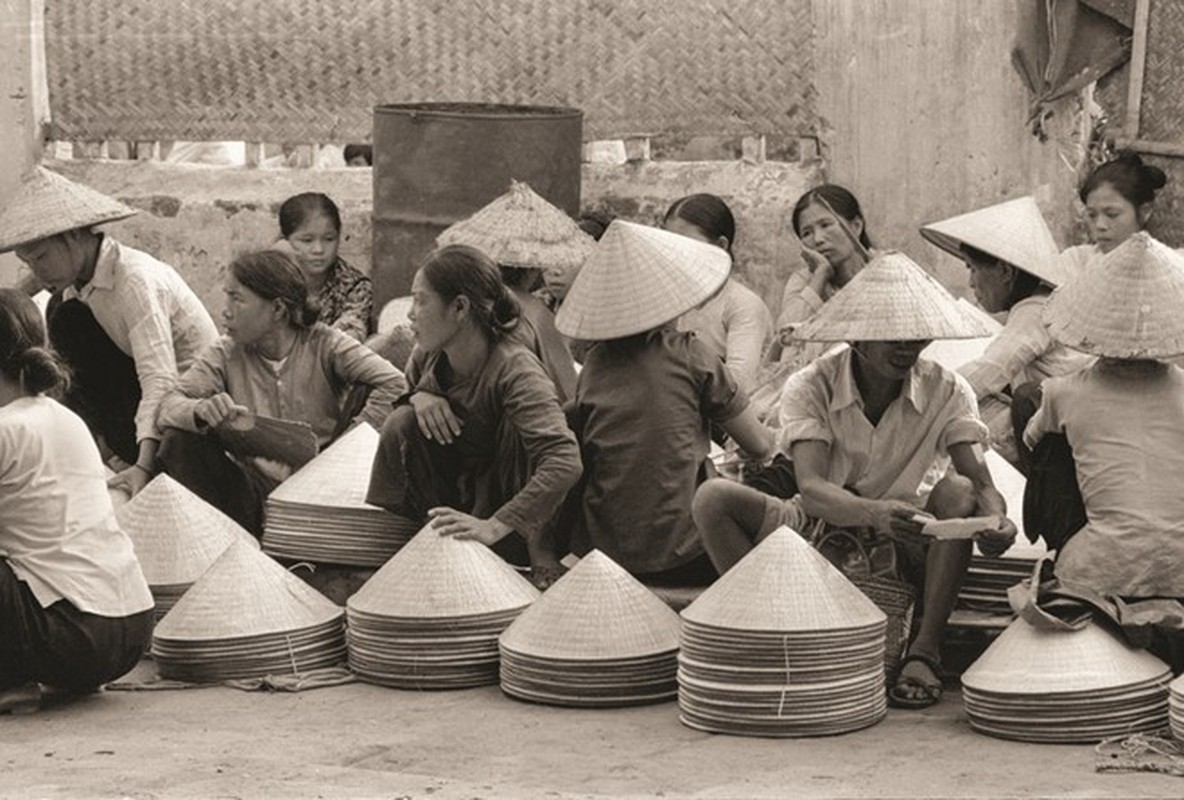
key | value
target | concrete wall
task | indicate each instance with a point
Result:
(924, 117)
(196, 218)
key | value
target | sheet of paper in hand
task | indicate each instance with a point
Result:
(959, 528)
(283, 440)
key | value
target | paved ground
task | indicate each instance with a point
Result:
(366, 741)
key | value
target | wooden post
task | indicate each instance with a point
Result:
(1134, 97)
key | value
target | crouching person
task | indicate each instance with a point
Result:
(865, 426)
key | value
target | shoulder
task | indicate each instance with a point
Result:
(347, 276)
(936, 379)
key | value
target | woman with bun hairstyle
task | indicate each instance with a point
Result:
(1119, 196)
(277, 361)
(480, 446)
(734, 323)
(75, 611)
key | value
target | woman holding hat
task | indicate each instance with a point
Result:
(865, 425)
(124, 323)
(645, 398)
(1014, 266)
(276, 361)
(480, 446)
(528, 238)
(75, 611)
(734, 324)
(1124, 420)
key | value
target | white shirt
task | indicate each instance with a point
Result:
(57, 526)
(736, 326)
(152, 315)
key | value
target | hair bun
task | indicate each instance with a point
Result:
(41, 370)
(506, 310)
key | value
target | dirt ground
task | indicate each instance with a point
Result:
(365, 741)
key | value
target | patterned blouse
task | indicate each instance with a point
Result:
(346, 300)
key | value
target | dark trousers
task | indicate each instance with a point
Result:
(61, 646)
(200, 464)
(1053, 506)
(104, 388)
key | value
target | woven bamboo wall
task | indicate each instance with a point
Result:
(312, 71)
(1162, 113)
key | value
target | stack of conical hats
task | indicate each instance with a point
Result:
(1126, 305)
(521, 229)
(1176, 707)
(1086, 685)
(597, 638)
(245, 618)
(177, 536)
(46, 204)
(892, 299)
(321, 514)
(430, 618)
(782, 645)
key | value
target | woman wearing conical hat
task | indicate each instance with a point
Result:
(1124, 419)
(864, 426)
(645, 400)
(75, 610)
(126, 323)
(1014, 265)
(735, 323)
(528, 238)
(480, 446)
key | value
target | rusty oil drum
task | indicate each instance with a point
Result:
(437, 163)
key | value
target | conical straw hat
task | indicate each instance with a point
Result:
(892, 299)
(47, 204)
(338, 477)
(436, 576)
(521, 229)
(638, 278)
(1127, 305)
(783, 585)
(1025, 659)
(597, 611)
(176, 534)
(245, 593)
(1013, 231)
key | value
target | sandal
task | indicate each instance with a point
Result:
(930, 690)
(544, 577)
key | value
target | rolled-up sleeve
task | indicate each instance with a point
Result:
(804, 411)
(1022, 340)
(530, 405)
(151, 338)
(960, 422)
(720, 397)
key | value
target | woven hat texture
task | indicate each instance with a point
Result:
(638, 278)
(245, 593)
(1127, 305)
(783, 585)
(1028, 660)
(892, 299)
(596, 611)
(1013, 231)
(521, 229)
(46, 204)
(176, 534)
(337, 477)
(436, 576)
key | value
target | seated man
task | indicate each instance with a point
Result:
(122, 321)
(864, 426)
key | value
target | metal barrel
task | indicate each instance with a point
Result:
(437, 163)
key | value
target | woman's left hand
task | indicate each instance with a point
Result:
(450, 522)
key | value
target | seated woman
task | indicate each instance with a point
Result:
(865, 425)
(830, 224)
(1119, 197)
(735, 324)
(277, 361)
(311, 225)
(1124, 419)
(480, 446)
(75, 611)
(1014, 266)
(644, 401)
(529, 238)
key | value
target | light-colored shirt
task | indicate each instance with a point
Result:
(57, 526)
(308, 385)
(897, 457)
(799, 302)
(152, 315)
(737, 327)
(1126, 429)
